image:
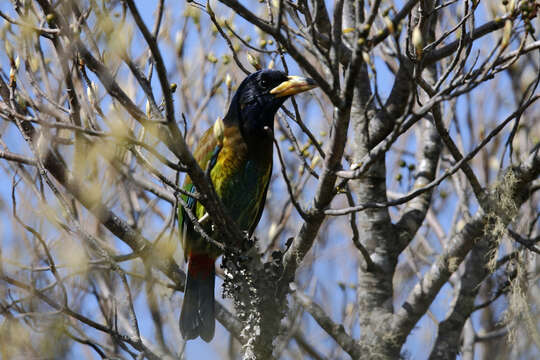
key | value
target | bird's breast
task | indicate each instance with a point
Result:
(241, 175)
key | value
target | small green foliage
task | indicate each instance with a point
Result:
(50, 19)
(212, 58)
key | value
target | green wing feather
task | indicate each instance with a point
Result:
(240, 178)
(205, 154)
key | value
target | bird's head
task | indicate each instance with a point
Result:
(259, 97)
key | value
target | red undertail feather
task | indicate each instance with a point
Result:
(197, 317)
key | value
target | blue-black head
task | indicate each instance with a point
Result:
(259, 97)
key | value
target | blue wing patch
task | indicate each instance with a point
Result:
(190, 200)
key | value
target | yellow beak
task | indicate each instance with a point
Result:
(293, 86)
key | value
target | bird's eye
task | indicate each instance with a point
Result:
(264, 83)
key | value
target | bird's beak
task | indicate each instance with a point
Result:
(292, 86)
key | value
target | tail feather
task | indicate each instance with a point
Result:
(197, 317)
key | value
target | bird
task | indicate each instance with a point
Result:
(236, 152)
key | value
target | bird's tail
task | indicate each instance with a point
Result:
(197, 316)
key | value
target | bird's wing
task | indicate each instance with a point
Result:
(206, 155)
